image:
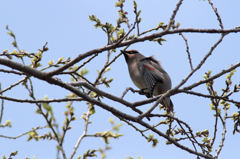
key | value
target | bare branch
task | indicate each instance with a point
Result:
(207, 96)
(173, 141)
(129, 89)
(103, 105)
(86, 123)
(138, 39)
(187, 50)
(184, 80)
(13, 85)
(171, 21)
(217, 14)
(82, 65)
(2, 106)
(23, 134)
(213, 77)
(10, 71)
(40, 100)
(223, 134)
(90, 93)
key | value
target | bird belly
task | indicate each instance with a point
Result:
(137, 79)
(140, 83)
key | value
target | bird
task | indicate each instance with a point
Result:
(149, 76)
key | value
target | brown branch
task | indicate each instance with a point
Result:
(86, 124)
(138, 39)
(129, 89)
(105, 94)
(171, 21)
(23, 134)
(223, 134)
(40, 100)
(217, 14)
(11, 71)
(79, 67)
(114, 111)
(190, 138)
(212, 78)
(13, 85)
(187, 50)
(179, 122)
(184, 80)
(173, 141)
(2, 106)
(207, 96)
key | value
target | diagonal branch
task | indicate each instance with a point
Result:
(212, 78)
(23, 134)
(114, 111)
(208, 96)
(40, 100)
(171, 21)
(13, 85)
(187, 50)
(138, 39)
(217, 14)
(169, 92)
(86, 124)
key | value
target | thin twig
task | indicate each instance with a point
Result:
(11, 71)
(23, 134)
(132, 125)
(190, 138)
(129, 89)
(45, 116)
(184, 80)
(40, 100)
(213, 77)
(187, 50)
(13, 85)
(135, 40)
(146, 125)
(82, 65)
(207, 96)
(223, 134)
(178, 121)
(114, 111)
(171, 21)
(2, 109)
(86, 124)
(2, 106)
(217, 14)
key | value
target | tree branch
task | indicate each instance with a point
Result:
(117, 113)
(212, 78)
(187, 50)
(40, 100)
(207, 96)
(86, 123)
(138, 39)
(23, 134)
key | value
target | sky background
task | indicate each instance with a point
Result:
(68, 31)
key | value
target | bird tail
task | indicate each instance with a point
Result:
(167, 102)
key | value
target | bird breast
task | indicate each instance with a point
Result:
(136, 76)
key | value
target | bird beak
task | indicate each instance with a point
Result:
(126, 55)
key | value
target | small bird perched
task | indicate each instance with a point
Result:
(148, 75)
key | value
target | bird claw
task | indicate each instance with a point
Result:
(143, 92)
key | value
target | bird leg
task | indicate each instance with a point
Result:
(144, 92)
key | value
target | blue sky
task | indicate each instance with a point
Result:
(68, 31)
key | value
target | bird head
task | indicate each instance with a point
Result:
(130, 54)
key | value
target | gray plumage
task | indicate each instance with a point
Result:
(148, 75)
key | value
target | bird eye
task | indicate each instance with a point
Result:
(132, 51)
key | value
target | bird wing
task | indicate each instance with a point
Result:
(150, 73)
